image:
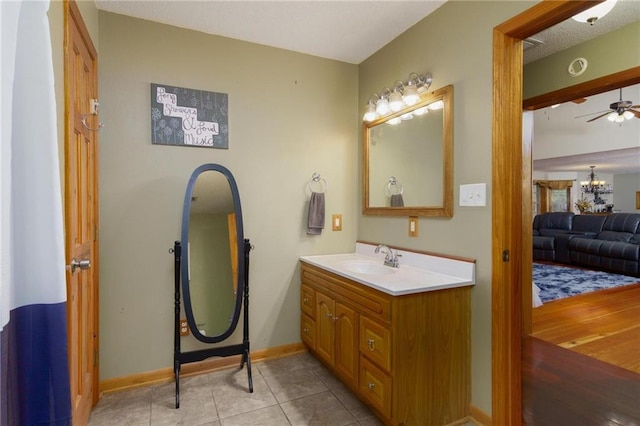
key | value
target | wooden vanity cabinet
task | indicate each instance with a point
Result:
(407, 357)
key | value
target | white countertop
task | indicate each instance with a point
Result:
(417, 272)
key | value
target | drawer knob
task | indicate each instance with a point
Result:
(371, 385)
(371, 344)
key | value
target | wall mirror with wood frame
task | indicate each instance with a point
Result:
(407, 165)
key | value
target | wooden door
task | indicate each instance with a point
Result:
(81, 214)
(325, 334)
(346, 344)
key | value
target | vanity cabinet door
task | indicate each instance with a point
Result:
(346, 355)
(325, 328)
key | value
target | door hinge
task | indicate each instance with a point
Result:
(95, 232)
(505, 255)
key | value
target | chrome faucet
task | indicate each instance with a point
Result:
(390, 259)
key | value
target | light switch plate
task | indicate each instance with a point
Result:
(473, 195)
(413, 226)
(336, 222)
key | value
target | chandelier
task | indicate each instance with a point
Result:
(595, 187)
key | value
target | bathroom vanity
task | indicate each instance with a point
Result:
(398, 337)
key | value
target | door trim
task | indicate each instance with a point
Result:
(511, 203)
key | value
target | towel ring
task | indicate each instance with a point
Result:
(393, 187)
(316, 178)
(86, 126)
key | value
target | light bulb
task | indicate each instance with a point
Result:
(382, 107)
(628, 115)
(394, 121)
(619, 119)
(436, 105)
(612, 116)
(407, 116)
(411, 96)
(370, 112)
(421, 110)
(395, 101)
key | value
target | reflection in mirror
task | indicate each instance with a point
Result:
(408, 159)
(211, 265)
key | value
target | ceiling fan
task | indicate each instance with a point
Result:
(618, 111)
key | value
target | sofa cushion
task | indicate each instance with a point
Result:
(585, 245)
(588, 223)
(543, 243)
(624, 237)
(622, 222)
(556, 220)
(619, 250)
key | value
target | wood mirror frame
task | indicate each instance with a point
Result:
(445, 209)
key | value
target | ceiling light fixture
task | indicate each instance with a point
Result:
(595, 187)
(403, 94)
(596, 12)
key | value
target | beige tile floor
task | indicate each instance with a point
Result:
(294, 390)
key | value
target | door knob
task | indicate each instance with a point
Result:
(82, 264)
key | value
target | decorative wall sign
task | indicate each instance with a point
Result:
(189, 117)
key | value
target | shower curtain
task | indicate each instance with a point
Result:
(34, 371)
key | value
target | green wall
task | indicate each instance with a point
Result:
(456, 47)
(290, 115)
(610, 53)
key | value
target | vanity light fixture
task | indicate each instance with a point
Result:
(370, 109)
(596, 12)
(382, 105)
(404, 93)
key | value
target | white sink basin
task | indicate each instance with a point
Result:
(369, 268)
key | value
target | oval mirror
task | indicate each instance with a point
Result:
(408, 159)
(212, 253)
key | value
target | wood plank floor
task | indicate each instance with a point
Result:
(561, 387)
(604, 325)
(582, 367)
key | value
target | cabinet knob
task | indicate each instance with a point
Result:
(306, 300)
(329, 315)
(371, 344)
(371, 385)
(306, 331)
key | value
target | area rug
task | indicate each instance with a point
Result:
(557, 282)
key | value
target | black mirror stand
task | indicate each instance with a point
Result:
(243, 349)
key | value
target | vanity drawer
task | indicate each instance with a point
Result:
(375, 387)
(375, 343)
(308, 301)
(308, 331)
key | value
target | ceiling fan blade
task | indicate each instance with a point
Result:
(593, 113)
(579, 100)
(600, 116)
(635, 112)
(634, 106)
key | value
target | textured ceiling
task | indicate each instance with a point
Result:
(570, 33)
(348, 31)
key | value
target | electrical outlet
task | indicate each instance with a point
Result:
(336, 222)
(184, 327)
(413, 226)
